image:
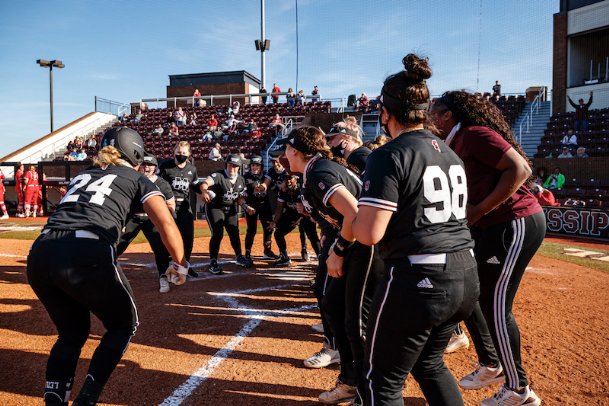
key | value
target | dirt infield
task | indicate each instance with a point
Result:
(240, 338)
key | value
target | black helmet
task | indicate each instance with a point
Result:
(127, 141)
(150, 159)
(234, 159)
(256, 160)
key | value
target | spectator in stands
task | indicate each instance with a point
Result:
(173, 130)
(275, 96)
(566, 153)
(581, 153)
(138, 117)
(291, 97)
(300, 98)
(363, 102)
(315, 93)
(497, 90)
(170, 118)
(193, 120)
(180, 116)
(544, 196)
(196, 93)
(78, 143)
(200, 103)
(212, 123)
(541, 175)
(159, 130)
(92, 142)
(555, 181)
(214, 154)
(124, 118)
(277, 124)
(265, 97)
(251, 127)
(569, 140)
(581, 113)
(234, 109)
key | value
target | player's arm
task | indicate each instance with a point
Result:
(157, 211)
(278, 214)
(346, 204)
(370, 224)
(204, 186)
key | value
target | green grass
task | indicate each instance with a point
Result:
(556, 251)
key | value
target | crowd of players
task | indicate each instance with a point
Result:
(28, 190)
(433, 228)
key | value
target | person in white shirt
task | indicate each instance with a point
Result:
(214, 154)
(565, 153)
(569, 140)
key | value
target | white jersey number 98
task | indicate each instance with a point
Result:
(452, 203)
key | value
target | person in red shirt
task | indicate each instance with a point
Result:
(212, 123)
(275, 97)
(31, 191)
(19, 190)
(508, 226)
(2, 205)
(544, 196)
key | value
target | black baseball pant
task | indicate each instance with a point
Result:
(319, 286)
(363, 271)
(263, 212)
(220, 219)
(307, 228)
(132, 229)
(503, 252)
(414, 312)
(74, 277)
(288, 221)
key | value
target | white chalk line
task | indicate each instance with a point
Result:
(208, 368)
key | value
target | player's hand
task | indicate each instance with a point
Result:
(205, 196)
(335, 265)
(176, 273)
(250, 210)
(261, 188)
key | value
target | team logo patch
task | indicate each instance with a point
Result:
(366, 185)
(321, 185)
(436, 146)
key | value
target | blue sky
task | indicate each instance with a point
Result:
(125, 50)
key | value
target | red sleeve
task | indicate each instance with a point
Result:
(485, 145)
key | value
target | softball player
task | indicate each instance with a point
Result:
(19, 190)
(72, 266)
(31, 191)
(333, 190)
(259, 202)
(2, 205)
(413, 206)
(508, 226)
(222, 192)
(140, 221)
(287, 218)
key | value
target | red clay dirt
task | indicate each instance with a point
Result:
(561, 309)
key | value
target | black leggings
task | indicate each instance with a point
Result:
(218, 220)
(289, 220)
(132, 228)
(308, 229)
(263, 213)
(319, 287)
(74, 277)
(185, 222)
(503, 252)
(410, 326)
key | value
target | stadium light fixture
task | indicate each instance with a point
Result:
(55, 63)
(262, 45)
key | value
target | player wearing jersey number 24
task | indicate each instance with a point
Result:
(73, 269)
(413, 206)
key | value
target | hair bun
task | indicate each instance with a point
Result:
(416, 68)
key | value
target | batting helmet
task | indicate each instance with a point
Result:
(127, 141)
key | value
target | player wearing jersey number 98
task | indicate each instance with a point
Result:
(73, 269)
(413, 206)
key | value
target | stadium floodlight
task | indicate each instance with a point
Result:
(51, 64)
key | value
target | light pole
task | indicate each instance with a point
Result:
(50, 64)
(262, 45)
